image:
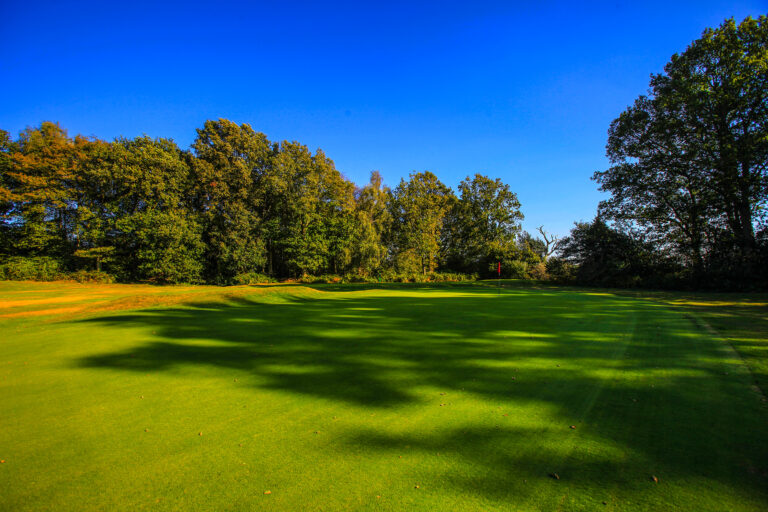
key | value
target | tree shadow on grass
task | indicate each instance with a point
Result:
(660, 389)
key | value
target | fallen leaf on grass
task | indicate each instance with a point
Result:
(267, 492)
(655, 479)
(555, 476)
(573, 427)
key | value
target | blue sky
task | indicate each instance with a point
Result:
(520, 91)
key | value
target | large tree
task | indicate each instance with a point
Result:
(372, 226)
(418, 209)
(230, 159)
(690, 159)
(144, 195)
(482, 225)
(44, 191)
(7, 185)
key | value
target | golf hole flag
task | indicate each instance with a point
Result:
(499, 269)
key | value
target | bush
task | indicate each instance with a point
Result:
(321, 279)
(91, 276)
(538, 271)
(389, 276)
(42, 268)
(451, 277)
(253, 278)
(560, 270)
(516, 269)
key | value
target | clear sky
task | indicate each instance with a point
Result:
(523, 91)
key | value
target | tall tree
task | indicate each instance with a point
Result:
(719, 89)
(372, 225)
(143, 193)
(482, 225)
(44, 172)
(230, 158)
(418, 208)
(7, 185)
(308, 212)
(690, 160)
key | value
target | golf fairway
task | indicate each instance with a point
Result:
(331, 397)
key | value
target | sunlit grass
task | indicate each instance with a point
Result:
(454, 397)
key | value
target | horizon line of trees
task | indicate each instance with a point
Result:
(688, 205)
(238, 208)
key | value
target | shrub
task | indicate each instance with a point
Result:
(538, 271)
(517, 269)
(91, 276)
(253, 278)
(321, 279)
(451, 277)
(560, 270)
(42, 268)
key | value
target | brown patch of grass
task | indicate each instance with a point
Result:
(42, 312)
(98, 298)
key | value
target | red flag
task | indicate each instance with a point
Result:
(499, 269)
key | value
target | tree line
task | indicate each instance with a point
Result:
(238, 208)
(687, 205)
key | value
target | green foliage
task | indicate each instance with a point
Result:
(481, 226)
(560, 271)
(391, 276)
(252, 278)
(689, 160)
(511, 269)
(39, 268)
(418, 208)
(97, 254)
(372, 227)
(91, 276)
(605, 256)
(538, 271)
(164, 247)
(230, 158)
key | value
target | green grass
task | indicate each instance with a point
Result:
(349, 397)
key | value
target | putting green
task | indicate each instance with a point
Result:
(379, 398)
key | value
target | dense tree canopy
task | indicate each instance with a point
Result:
(687, 205)
(234, 208)
(690, 159)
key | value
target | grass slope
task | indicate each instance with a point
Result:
(379, 398)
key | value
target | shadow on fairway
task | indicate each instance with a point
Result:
(379, 351)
